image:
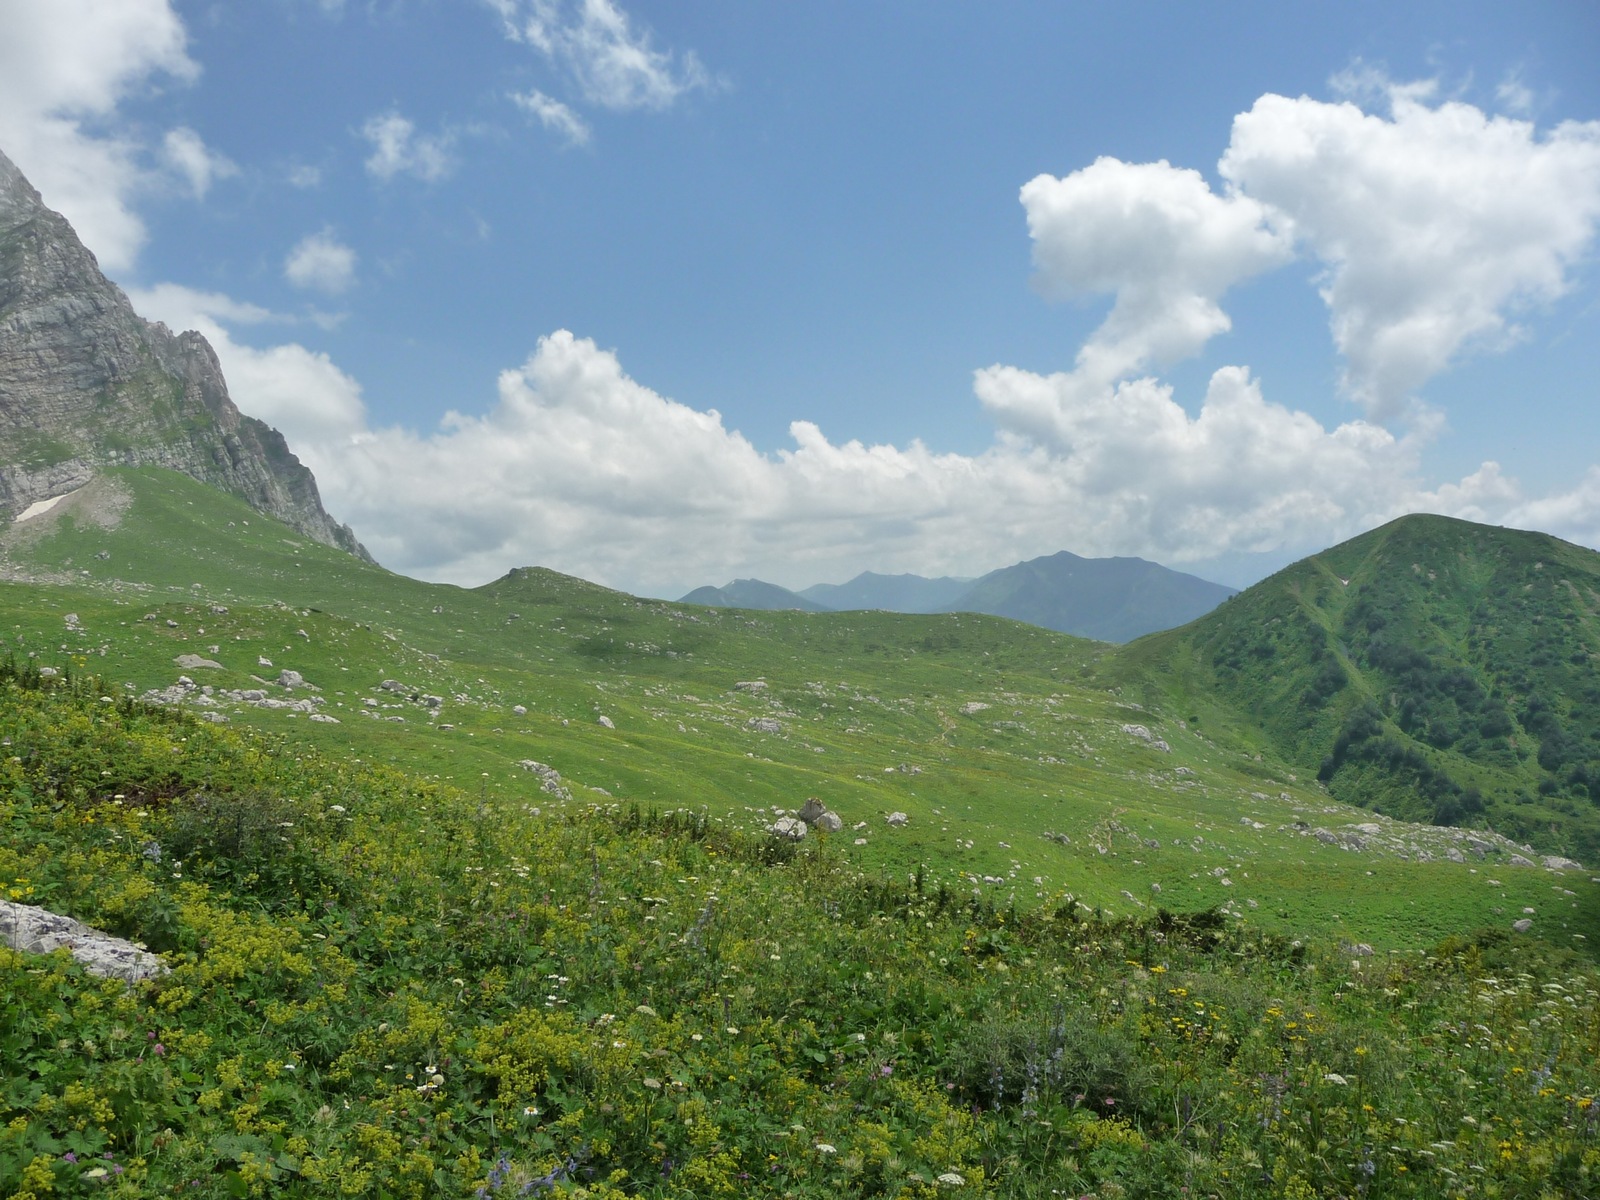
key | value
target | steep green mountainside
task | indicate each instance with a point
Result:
(1432, 669)
(752, 593)
(1025, 761)
(1108, 599)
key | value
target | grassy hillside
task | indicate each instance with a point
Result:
(1020, 771)
(386, 987)
(1433, 669)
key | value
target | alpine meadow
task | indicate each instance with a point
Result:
(967, 853)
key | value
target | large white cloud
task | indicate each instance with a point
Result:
(65, 67)
(1438, 223)
(1158, 239)
(577, 466)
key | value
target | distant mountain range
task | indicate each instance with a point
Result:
(1108, 599)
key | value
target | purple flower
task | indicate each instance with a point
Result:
(69, 1156)
(160, 1049)
(886, 1070)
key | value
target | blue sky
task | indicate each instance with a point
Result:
(665, 294)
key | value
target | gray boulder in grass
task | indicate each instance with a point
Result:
(34, 930)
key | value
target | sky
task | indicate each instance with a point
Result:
(664, 295)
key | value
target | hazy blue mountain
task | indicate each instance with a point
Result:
(889, 593)
(1110, 599)
(751, 593)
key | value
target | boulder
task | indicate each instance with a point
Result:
(829, 822)
(1556, 863)
(193, 662)
(607, 722)
(792, 828)
(896, 820)
(764, 725)
(39, 931)
(972, 707)
(1522, 926)
(750, 685)
(812, 810)
(520, 710)
(291, 679)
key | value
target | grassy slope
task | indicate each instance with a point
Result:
(1432, 669)
(383, 988)
(870, 706)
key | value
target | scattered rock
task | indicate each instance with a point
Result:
(792, 828)
(193, 662)
(1523, 925)
(607, 722)
(764, 725)
(829, 822)
(1556, 863)
(1516, 860)
(750, 685)
(811, 810)
(1359, 950)
(263, 661)
(291, 679)
(325, 718)
(39, 931)
(549, 778)
(897, 820)
(388, 685)
(520, 710)
(973, 706)
(1144, 735)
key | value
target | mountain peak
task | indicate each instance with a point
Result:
(86, 384)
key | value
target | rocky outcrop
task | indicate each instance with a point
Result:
(40, 931)
(87, 384)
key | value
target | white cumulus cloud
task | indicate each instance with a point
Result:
(553, 115)
(608, 57)
(321, 262)
(398, 149)
(65, 67)
(1438, 224)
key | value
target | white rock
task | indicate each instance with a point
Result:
(973, 706)
(520, 709)
(792, 828)
(896, 819)
(764, 725)
(1522, 926)
(193, 662)
(39, 931)
(607, 722)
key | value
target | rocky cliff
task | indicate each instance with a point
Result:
(86, 383)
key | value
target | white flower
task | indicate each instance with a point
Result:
(951, 1179)
(825, 1148)
(1334, 1077)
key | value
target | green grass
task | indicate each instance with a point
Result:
(383, 986)
(1044, 784)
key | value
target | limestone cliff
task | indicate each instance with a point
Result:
(86, 383)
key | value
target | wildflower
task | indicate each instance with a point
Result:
(69, 1156)
(1335, 1077)
(886, 1070)
(650, 1082)
(951, 1179)
(826, 1148)
(530, 1111)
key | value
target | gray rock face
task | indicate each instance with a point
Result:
(39, 931)
(87, 384)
